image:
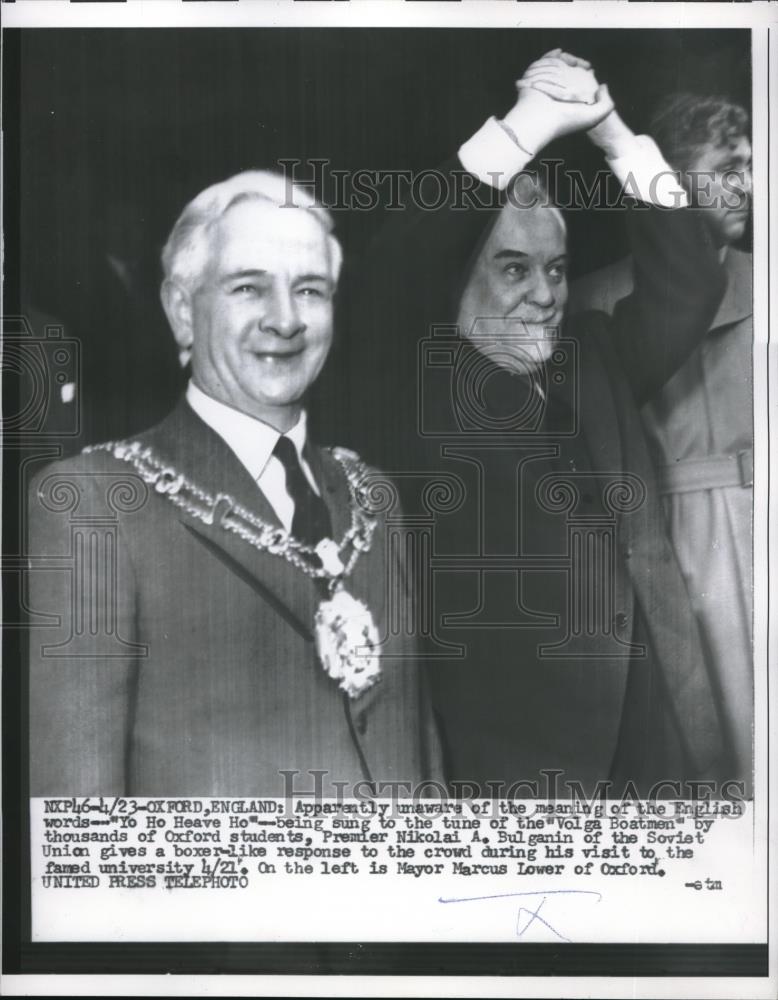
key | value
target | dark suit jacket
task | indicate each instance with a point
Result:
(507, 710)
(170, 657)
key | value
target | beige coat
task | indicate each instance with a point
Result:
(701, 429)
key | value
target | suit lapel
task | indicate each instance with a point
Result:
(334, 488)
(204, 458)
(737, 302)
(192, 448)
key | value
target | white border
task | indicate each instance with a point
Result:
(642, 988)
(495, 14)
(385, 13)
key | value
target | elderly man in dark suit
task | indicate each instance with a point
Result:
(562, 641)
(209, 600)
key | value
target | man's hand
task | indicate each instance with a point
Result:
(558, 95)
(563, 76)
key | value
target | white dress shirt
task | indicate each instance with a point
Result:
(253, 442)
(495, 158)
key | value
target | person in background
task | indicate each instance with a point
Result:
(700, 424)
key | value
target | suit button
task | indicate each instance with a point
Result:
(621, 620)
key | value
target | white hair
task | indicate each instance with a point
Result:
(185, 253)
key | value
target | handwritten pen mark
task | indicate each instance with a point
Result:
(532, 915)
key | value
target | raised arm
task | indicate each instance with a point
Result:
(412, 276)
(678, 278)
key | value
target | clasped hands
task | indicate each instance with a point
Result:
(559, 94)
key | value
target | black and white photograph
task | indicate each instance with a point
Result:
(386, 498)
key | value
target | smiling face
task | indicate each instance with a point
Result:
(514, 301)
(719, 180)
(259, 320)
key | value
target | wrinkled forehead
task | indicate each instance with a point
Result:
(536, 231)
(254, 232)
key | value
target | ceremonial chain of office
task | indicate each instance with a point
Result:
(344, 630)
(321, 563)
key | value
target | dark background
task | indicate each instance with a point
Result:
(120, 128)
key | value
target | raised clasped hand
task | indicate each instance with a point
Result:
(559, 94)
(561, 76)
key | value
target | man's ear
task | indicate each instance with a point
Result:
(177, 303)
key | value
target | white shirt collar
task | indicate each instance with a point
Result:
(251, 439)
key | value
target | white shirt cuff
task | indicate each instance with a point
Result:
(645, 174)
(492, 156)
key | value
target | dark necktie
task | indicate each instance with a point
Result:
(311, 521)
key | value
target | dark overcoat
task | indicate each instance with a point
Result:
(561, 637)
